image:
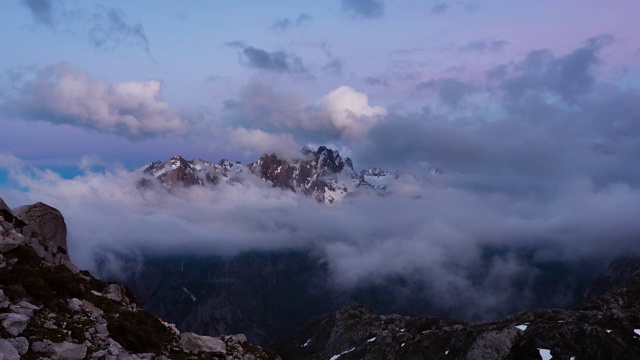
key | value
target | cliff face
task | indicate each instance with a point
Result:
(50, 309)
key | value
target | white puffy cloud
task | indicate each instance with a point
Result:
(63, 94)
(349, 112)
(342, 113)
(261, 142)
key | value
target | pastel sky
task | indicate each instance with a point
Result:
(530, 108)
(131, 82)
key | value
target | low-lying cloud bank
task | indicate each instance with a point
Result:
(427, 229)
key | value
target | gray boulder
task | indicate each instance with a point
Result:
(7, 244)
(493, 344)
(21, 344)
(14, 323)
(64, 350)
(47, 221)
(7, 351)
(194, 343)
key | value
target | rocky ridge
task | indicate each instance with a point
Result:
(322, 174)
(50, 309)
(605, 328)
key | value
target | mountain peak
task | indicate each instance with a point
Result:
(322, 174)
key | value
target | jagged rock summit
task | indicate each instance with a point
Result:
(51, 310)
(322, 174)
(47, 221)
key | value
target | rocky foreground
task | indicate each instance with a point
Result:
(605, 328)
(50, 309)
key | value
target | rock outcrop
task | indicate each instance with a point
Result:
(41, 228)
(4, 206)
(47, 221)
(50, 309)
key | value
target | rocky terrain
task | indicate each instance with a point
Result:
(270, 294)
(50, 309)
(605, 328)
(322, 174)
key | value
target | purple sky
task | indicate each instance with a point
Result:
(531, 109)
(135, 82)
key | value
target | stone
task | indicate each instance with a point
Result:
(74, 304)
(194, 343)
(17, 309)
(99, 354)
(7, 244)
(71, 266)
(17, 237)
(14, 323)
(113, 292)
(39, 249)
(60, 351)
(102, 330)
(237, 338)
(91, 308)
(28, 231)
(21, 344)
(24, 308)
(5, 226)
(493, 344)
(8, 351)
(47, 221)
(4, 206)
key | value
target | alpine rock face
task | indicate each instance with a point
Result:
(322, 174)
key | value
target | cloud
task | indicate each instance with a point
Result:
(569, 76)
(42, 10)
(287, 23)
(333, 67)
(375, 81)
(541, 170)
(484, 45)
(110, 29)
(106, 28)
(63, 94)
(366, 9)
(237, 44)
(275, 61)
(542, 121)
(261, 142)
(349, 112)
(439, 8)
(342, 113)
(438, 233)
(451, 91)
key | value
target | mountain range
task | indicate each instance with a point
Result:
(321, 174)
(270, 294)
